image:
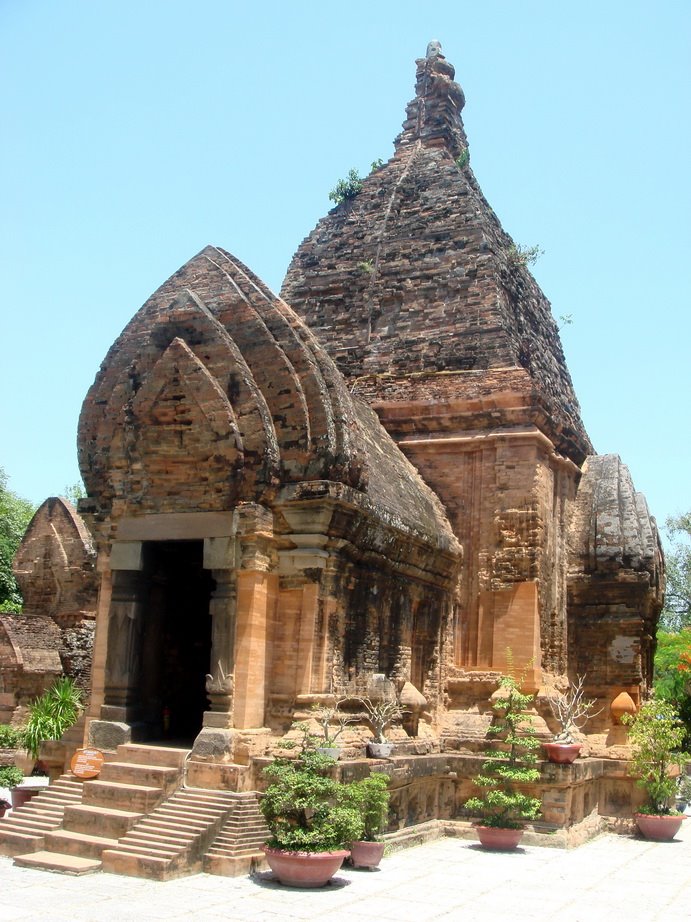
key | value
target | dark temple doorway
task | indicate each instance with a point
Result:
(176, 642)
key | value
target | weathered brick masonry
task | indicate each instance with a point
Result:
(389, 476)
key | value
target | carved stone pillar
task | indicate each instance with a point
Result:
(219, 681)
(123, 662)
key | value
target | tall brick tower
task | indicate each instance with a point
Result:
(429, 310)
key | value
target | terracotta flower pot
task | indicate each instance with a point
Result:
(562, 753)
(366, 854)
(498, 839)
(304, 869)
(659, 828)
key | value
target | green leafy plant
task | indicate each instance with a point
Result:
(54, 712)
(656, 735)
(377, 164)
(366, 266)
(463, 159)
(306, 809)
(518, 255)
(672, 676)
(11, 737)
(15, 515)
(510, 761)
(346, 189)
(371, 797)
(10, 776)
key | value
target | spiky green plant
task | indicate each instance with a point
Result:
(52, 714)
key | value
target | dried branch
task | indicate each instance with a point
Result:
(571, 709)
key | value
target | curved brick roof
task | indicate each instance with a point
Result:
(216, 393)
(415, 275)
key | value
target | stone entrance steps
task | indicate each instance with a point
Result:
(137, 819)
(129, 786)
(171, 840)
(26, 828)
(236, 849)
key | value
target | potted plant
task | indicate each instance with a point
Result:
(311, 817)
(571, 710)
(10, 777)
(656, 735)
(371, 796)
(380, 715)
(50, 715)
(510, 761)
(331, 722)
(13, 742)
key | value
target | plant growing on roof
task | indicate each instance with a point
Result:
(523, 256)
(510, 762)
(346, 189)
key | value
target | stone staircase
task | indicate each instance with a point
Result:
(129, 786)
(137, 819)
(236, 849)
(26, 828)
(175, 838)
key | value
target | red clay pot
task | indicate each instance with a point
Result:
(562, 753)
(304, 869)
(366, 854)
(498, 839)
(660, 828)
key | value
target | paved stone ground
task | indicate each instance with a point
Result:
(610, 878)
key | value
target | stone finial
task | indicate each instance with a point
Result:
(434, 115)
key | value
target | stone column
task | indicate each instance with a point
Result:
(219, 681)
(257, 589)
(123, 661)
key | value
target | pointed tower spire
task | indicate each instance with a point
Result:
(434, 115)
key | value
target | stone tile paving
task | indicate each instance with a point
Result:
(611, 877)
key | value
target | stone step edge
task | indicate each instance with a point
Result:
(55, 861)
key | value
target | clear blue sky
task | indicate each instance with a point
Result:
(134, 133)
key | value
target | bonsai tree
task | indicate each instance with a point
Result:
(381, 714)
(510, 760)
(50, 715)
(331, 721)
(656, 734)
(572, 710)
(371, 797)
(305, 809)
